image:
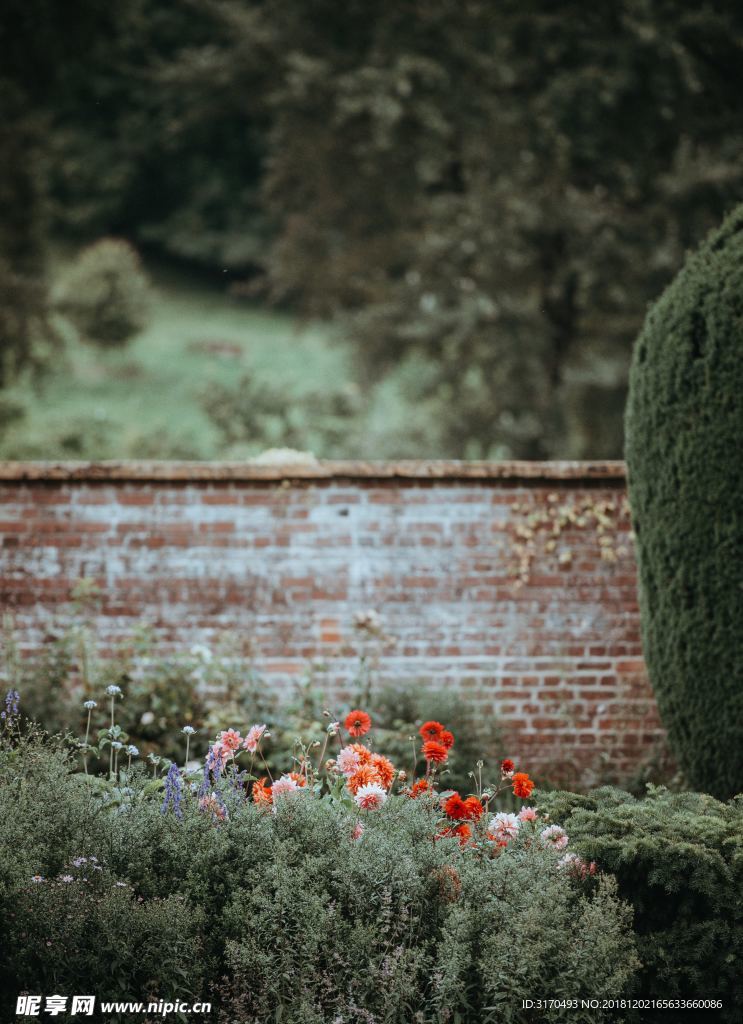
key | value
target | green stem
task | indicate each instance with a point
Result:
(87, 735)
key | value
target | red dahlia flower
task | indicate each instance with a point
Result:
(462, 832)
(431, 730)
(358, 723)
(435, 752)
(507, 766)
(447, 738)
(473, 808)
(418, 787)
(455, 807)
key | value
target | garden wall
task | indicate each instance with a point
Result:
(513, 582)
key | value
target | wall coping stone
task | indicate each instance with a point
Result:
(599, 472)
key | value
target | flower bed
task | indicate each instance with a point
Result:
(341, 890)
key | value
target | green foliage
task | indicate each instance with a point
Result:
(256, 415)
(678, 859)
(454, 181)
(105, 293)
(684, 424)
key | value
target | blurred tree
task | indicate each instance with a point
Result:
(45, 47)
(498, 188)
(158, 144)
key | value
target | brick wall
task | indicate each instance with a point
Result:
(514, 582)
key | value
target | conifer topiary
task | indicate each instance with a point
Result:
(684, 428)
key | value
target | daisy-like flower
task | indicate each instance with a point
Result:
(358, 723)
(503, 826)
(527, 814)
(435, 752)
(251, 741)
(230, 740)
(90, 704)
(431, 730)
(37, 878)
(370, 797)
(286, 784)
(522, 785)
(365, 775)
(66, 878)
(555, 836)
(348, 760)
(77, 862)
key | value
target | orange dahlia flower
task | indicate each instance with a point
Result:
(363, 776)
(365, 755)
(262, 792)
(358, 723)
(384, 768)
(522, 785)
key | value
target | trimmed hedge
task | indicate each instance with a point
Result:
(684, 428)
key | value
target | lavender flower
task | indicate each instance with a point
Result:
(212, 772)
(12, 702)
(173, 791)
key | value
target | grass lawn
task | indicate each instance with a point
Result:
(145, 399)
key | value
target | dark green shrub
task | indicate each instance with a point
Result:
(678, 859)
(684, 429)
(105, 293)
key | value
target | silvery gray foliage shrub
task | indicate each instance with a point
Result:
(285, 916)
(397, 927)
